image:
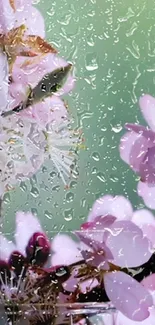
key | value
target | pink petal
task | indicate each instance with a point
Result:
(32, 18)
(149, 282)
(127, 295)
(123, 320)
(17, 261)
(26, 225)
(146, 221)
(7, 16)
(147, 192)
(147, 106)
(21, 4)
(35, 71)
(17, 93)
(143, 217)
(95, 230)
(149, 135)
(147, 167)
(124, 239)
(3, 82)
(133, 148)
(52, 109)
(38, 249)
(6, 248)
(65, 250)
(117, 206)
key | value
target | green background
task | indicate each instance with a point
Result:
(112, 46)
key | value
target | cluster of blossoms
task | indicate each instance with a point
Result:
(111, 259)
(42, 131)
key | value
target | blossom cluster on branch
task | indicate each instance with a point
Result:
(111, 259)
(43, 130)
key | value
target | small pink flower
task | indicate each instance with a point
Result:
(26, 279)
(137, 149)
(121, 208)
(110, 239)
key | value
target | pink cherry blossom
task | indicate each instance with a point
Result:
(109, 239)
(121, 208)
(137, 149)
(24, 275)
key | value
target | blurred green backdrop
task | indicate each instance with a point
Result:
(112, 46)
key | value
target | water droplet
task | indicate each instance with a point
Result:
(68, 214)
(69, 197)
(44, 169)
(56, 188)
(82, 217)
(48, 215)
(34, 211)
(33, 180)
(65, 20)
(73, 184)
(6, 198)
(83, 202)
(34, 192)
(101, 177)
(96, 156)
(114, 179)
(94, 170)
(91, 62)
(117, 128)
(23, 186)
(52, 175)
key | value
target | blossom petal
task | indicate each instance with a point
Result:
(149, 282)
(7, 16)
(32, 18)
(147, 192)
(38, 249)
(124, 239)
(17, 261)
(96, 230)
(148, 134)
(34, 70)
(21, 4)
(127, 295)
(3, 81)
(65, 250)
(147, 106)
(123, 320)
(133, 148)
(146, 221)
(117, 206)
(6, 248)
(52, 109)
(26, 225)
(143, 217)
